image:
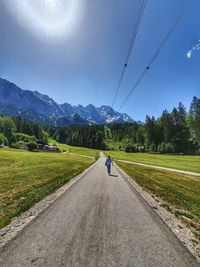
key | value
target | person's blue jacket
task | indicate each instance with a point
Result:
(108, 162)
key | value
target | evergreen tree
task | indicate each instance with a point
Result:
(167, 126)
(140, 135)
(181, 131)
(150, 131)
(27, 128)
(8, 127)
(194, 118)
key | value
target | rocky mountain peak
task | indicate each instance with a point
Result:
(42, 106)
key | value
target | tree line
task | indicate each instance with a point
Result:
(91, 136)
(15, 131)
(177, 131)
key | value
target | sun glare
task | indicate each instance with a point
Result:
(50, 3)
(46, 18)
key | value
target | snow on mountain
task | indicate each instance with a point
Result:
(38, 107)
(112, 116)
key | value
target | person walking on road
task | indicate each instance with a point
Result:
(108, 164)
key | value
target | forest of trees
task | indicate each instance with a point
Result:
(17, 131)
(177, 131)
(91, 136)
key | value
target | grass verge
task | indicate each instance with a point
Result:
(76, 150)
(185, 163)
(180, 193)
(27, 177)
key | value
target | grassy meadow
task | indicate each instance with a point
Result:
(185, 163)
(27, 177)
(180, 193)
(76, 150)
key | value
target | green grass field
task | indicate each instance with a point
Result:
(186, 163)
(76, 150)
(27, 177)
(180, 193)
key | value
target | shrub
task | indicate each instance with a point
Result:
(169, 148)
(130, 148)
(153, 148)
(32, 145)
(3, 140)
(193, 147)
(16, 145)
(24, 137)
(162, 148)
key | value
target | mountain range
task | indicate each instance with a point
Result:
(40, 108)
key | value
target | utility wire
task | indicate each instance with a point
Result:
(158, 50)
(139, 19)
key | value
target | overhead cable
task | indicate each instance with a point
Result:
(160, 47)
(136, 28)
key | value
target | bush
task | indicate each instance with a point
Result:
(32, 145)
(127, 148)
(169, 148)
(16, 145)
(162, 148)
(130, 148)
(24, 137)
(166, 148)
(3, 140)
(193, 147)
(153, 148)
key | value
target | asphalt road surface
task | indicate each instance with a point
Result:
(99, 222)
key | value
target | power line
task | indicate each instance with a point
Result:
(158, 50)
(139, 19)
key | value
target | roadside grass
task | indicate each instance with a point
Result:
(113, 145)
(76, 150)
(27, 177)
(185, 163)
(180, 193)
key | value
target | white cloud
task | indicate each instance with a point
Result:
(189, 53)
(196, 47)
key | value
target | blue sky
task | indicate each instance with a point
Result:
(80, 61)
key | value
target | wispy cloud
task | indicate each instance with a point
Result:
(196, 47)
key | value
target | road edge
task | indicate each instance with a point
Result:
(182, 232)
(18, 224)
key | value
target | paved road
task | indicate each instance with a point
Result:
(99, 222)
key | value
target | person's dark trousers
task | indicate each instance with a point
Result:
(108, 169)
